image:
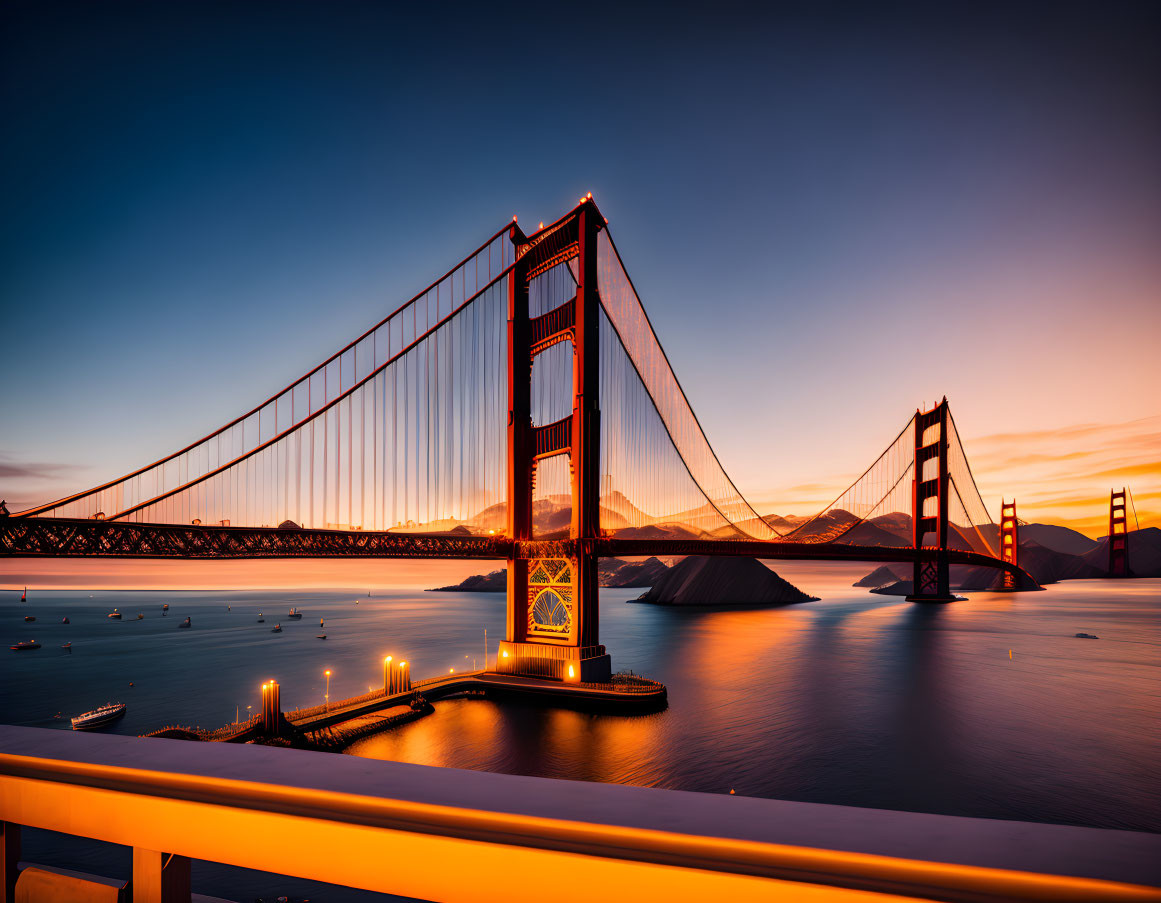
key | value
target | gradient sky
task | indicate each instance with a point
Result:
(833, 213)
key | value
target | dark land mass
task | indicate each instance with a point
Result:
(1144, 553)
(722, 582)
(611, 572)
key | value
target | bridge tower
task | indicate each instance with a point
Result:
(1118, 535)
(1009, 540)
(552, 616)
(929, 503)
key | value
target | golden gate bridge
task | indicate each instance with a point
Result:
(520, 408)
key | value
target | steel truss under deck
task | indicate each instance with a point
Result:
(46, 537)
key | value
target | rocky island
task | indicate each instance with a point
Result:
(723, 582)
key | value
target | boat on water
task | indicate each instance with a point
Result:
(140, 617)
(30, 617)
(24, 595)
(99, 717)
(64, 620)
(1087, 636)
(68, 646)
(261, 620)
(277, 628)
(114, 614)
(185, 623)
(26, 644)
(294, 613)
(321, 636)
(165, 607)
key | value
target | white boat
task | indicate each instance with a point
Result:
(106, 714)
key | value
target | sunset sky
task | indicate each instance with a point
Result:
(833, 215)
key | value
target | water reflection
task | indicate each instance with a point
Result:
(860, 700)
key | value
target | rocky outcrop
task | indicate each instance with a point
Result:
(611, 572)
(704, 581)
(495, 582)
(615, 572)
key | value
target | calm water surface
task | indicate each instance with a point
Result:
(856, 700)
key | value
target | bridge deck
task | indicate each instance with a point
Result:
(41, 537)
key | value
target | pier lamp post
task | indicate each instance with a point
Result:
(386, 665)
(327, 695)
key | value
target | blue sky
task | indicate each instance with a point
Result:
(833, 212)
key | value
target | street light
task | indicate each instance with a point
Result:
(386, 663)
(327, 695)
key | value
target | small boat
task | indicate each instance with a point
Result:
(320, 622)
(321, 636)
(24, 595)
(294, 614)
(228, 608)
(261, 620)
(165, 607)
(30, 617)
(140, 617)
(115, 615)
(277, 628)
(27, 644)
(64, 620)
(185, 623)
(1088, 636)
(98, 717)
(68, 646)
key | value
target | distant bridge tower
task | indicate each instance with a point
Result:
(1118, 535)
(929, 503)
(552, 601)
(1009, 540)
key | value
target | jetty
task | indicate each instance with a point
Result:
(334, 725)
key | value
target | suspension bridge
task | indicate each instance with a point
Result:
(520, 408)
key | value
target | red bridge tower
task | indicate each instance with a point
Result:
(929, 503)
(552, 601)
(1009, 540)
(1118, 535)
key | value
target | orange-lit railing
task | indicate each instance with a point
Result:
(457, 835)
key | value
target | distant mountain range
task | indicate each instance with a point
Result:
(1045, 563)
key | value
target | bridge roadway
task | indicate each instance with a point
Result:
(43, 537)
